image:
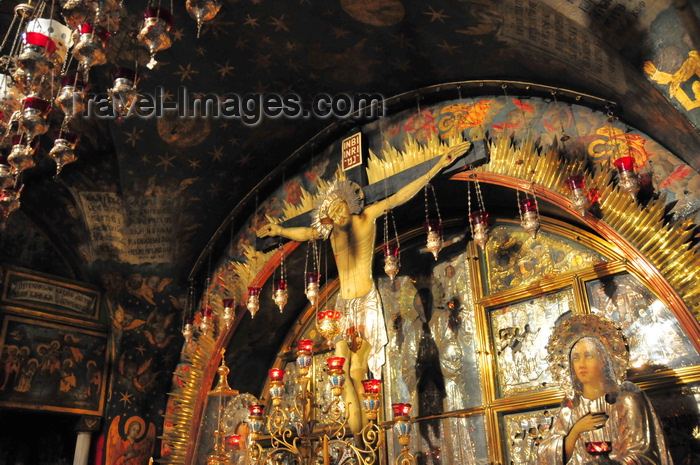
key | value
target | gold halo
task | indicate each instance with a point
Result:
(138, 420)
(570, 330)
(347, 191)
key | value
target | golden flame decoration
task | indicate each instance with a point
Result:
(394, 161)
(184, 401)
(308, 200)
(667, 246)
(246, 271)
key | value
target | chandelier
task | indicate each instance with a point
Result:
(289, 433)
(46, 56)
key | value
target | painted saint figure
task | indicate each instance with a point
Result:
(589, 356)
(342, 217)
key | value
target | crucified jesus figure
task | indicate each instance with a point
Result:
(342, 217)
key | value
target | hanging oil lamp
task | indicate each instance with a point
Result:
(328, 324)
(155, 33)
(391, 259)
(280, 296)
(312, 287)
(529, 215)
(71, 97)
(577, 188)
(9, 201)
(91, 48)
(228, 313)
(33, 61)
(205, 324)
(279, 292)
(60, 34)
(7, 179)
(21, 155)
(253, 302)
(629, 180)
(123, 92)
(479, 223)
(63, 151)
(202, 10)
(391, 249)
(433, 226)
(10, 101)
(33, 118)
(188, 328)
(479, 219)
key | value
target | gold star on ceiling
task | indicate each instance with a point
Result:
(291, 46)
(436, 15)
(402, 40)
(178, 34)
(450, 49)
(340, 33)
(194, 164)
(217, 153)
(241, 43)
(141, 349)
(186, 72)
(214, 190)
(263, 61)
(279, 24)
(261, 88)
(224, 70)
(126, 398)
(201, 50)
(401, 65)
(133, 136)
(244, 159)
(250, 21)
(292, 64)
(165, 95)
(166, 161)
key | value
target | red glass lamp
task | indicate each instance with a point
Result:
(371, 400)
(629, 180)
(479, 221)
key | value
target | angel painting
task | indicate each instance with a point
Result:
(131, 446)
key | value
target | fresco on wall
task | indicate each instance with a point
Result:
(52, 366)
(145, 313)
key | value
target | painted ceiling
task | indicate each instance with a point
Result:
(188, 174)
